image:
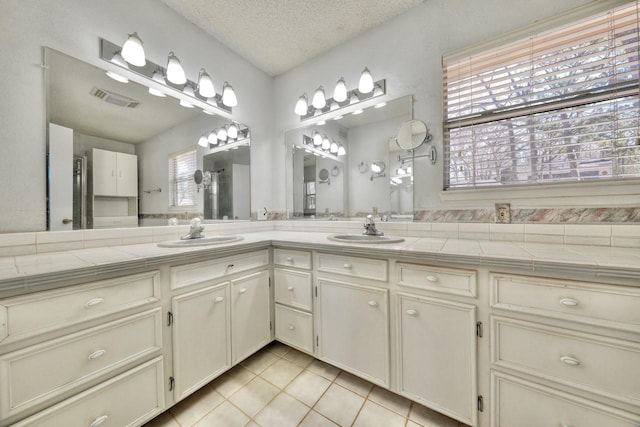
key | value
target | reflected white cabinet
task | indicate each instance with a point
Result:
(250, 315)
(201, 337)
(437, 356)
(354, 329)
(114, 174)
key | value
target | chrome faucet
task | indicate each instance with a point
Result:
(370, 227)
(195, 232)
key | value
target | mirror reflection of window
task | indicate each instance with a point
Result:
(182, 187)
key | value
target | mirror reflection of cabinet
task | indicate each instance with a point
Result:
(113, 189)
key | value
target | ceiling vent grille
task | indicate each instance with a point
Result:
(114, 98)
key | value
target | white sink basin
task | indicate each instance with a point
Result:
(364, 238)
(203, 241)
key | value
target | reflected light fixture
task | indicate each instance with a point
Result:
(188, 90)
(317, 138)
(340, 92)
(366, 81)
(222, 134)
(326, 144)
(232, 131)
(133, 52)
(175, 73)
(118, 60)
(203, 141)
(341, 151)
(229, 95)
(319, 101)
(334, 147)
(321, 146)
(157, 77)
(213, 137)
(205, 85)
(302, 105)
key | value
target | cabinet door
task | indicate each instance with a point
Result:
(104, 173)
(354, 329)
(438, 355)
(201, 337)
(251, 315)
(127, 175)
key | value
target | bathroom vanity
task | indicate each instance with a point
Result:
(502, 334)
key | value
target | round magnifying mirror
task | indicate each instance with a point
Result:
(197, 177)
(323, 174)
(412, 134)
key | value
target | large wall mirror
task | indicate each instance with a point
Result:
(373, 176)
(89, 113)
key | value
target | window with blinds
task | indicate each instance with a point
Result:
(562, 105)
(182, 187)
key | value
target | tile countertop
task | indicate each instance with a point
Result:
(24, 273)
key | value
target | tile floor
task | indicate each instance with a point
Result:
(280, 387)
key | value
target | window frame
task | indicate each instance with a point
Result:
(186, 178)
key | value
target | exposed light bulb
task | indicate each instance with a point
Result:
(302, 105)
(334, 147)
(118, 60)
(341, 151)
(326, 144)
(213, 137)
(319, 100)
(157, 77)
(229, 95)
(232, 131)
(409, 170)
(175, 72)
(203, 141)
(366, 81)
(317, 138)
(375, 168)
(399, 171)
(222, 134)
(188, 90)
(133, 52)
(340, 92)
(205, 85)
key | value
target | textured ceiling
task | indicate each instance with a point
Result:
(278, 35)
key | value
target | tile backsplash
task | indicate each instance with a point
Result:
(535, 215)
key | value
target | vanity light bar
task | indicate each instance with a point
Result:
(333, 151)
(227, 137)
(213, 104)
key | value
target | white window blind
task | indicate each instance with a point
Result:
(562, 105)
(182, 187)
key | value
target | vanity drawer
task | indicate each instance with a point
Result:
(41, 312)
(292, 258)
(39, 373)
(294, 327)
(520, 403)
(126, 400)
(293, 288)
(594, 363)
(597, 304)
(445, 280)
(190, 274)
(365, 268)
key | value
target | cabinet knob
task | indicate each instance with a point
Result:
(242, 291)
(290, 259)
(432, 279)
(99, 421)
(67, 221)
(569, 302)
(290, 288)
(348, 266)
(412, 312)
(292, 328)
(93, 302)
(373, 303)
(568, 360)
(218, 299)
(97, 354)
(230, 266)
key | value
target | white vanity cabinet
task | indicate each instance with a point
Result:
(353, 317)
(114, 173)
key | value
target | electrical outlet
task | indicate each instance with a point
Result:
(503, 213)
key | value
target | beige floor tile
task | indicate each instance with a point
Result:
(298, 357)
(196, 406)
(283, 411)
(308, 387)
(374, 415)
(353, 383)
(413, 424)
(324, 370)
(259, 361)
(428, 418)
(390, 400)
(251, 424)
(314, 419)
(339, 405)
(254, 396)
(278, 348)
(233, 380)
(163, 420)
(225, 415)
(281, 373)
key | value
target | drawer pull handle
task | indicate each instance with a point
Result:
(97, 354)
(218, 299)
(432, 279)
(230, 266)
(99, 421)
(569, 302)
(567, 360)
(348, 266)
(412, 312)
(242, 291)
(93, 302)
(292, 328)
(373, 303)
(290, 288)
(290, 259)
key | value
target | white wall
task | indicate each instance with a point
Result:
(407, 52)
(73, 27)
